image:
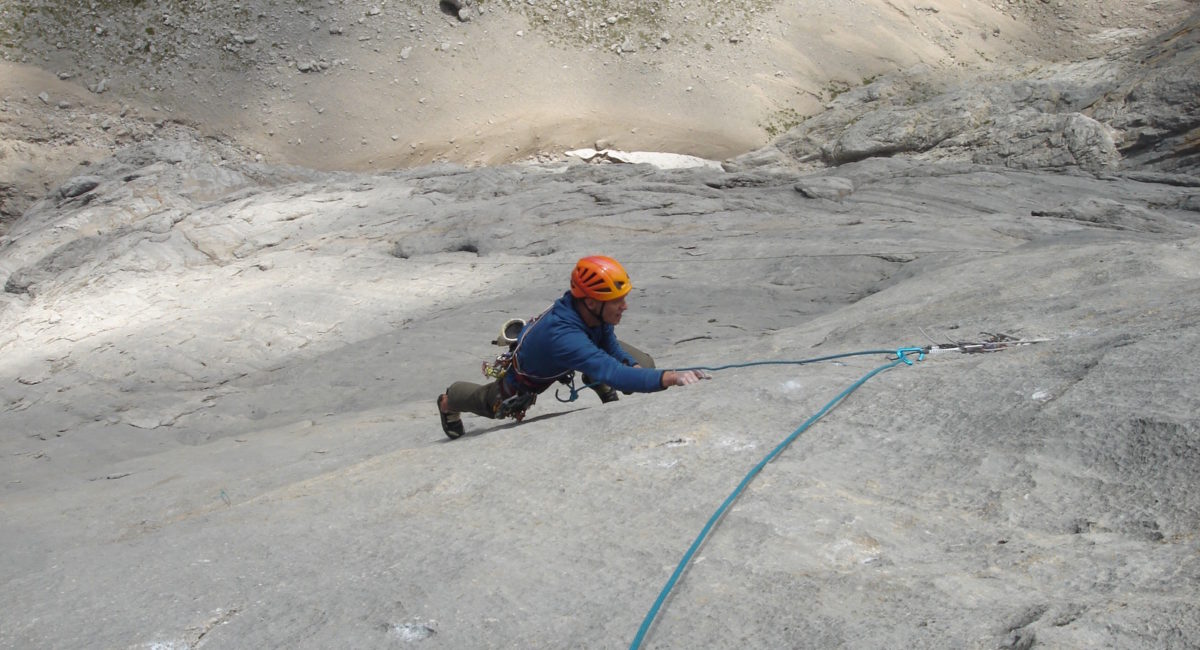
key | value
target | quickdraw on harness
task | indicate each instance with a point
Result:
(572, 391)
(513, 406)
(499, 367)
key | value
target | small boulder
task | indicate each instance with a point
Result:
(834, 188)
(78, 186)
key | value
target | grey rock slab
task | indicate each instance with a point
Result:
(264, 374)
(216, 383)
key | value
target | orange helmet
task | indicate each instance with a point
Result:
(600, 278)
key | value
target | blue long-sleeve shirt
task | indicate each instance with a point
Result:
(559, 342)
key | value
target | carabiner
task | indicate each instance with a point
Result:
(901, 356)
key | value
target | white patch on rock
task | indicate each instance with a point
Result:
(792, 386)
(654, 158)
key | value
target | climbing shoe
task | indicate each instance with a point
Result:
(607, 393)
(452, 424)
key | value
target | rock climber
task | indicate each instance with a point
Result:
(575, 334)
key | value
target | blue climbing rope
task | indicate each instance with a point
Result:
(574, 392)
(831, 357)
(901, 357)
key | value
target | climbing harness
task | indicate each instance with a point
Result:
(518, 390)
(993, 342)
(509, 404)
